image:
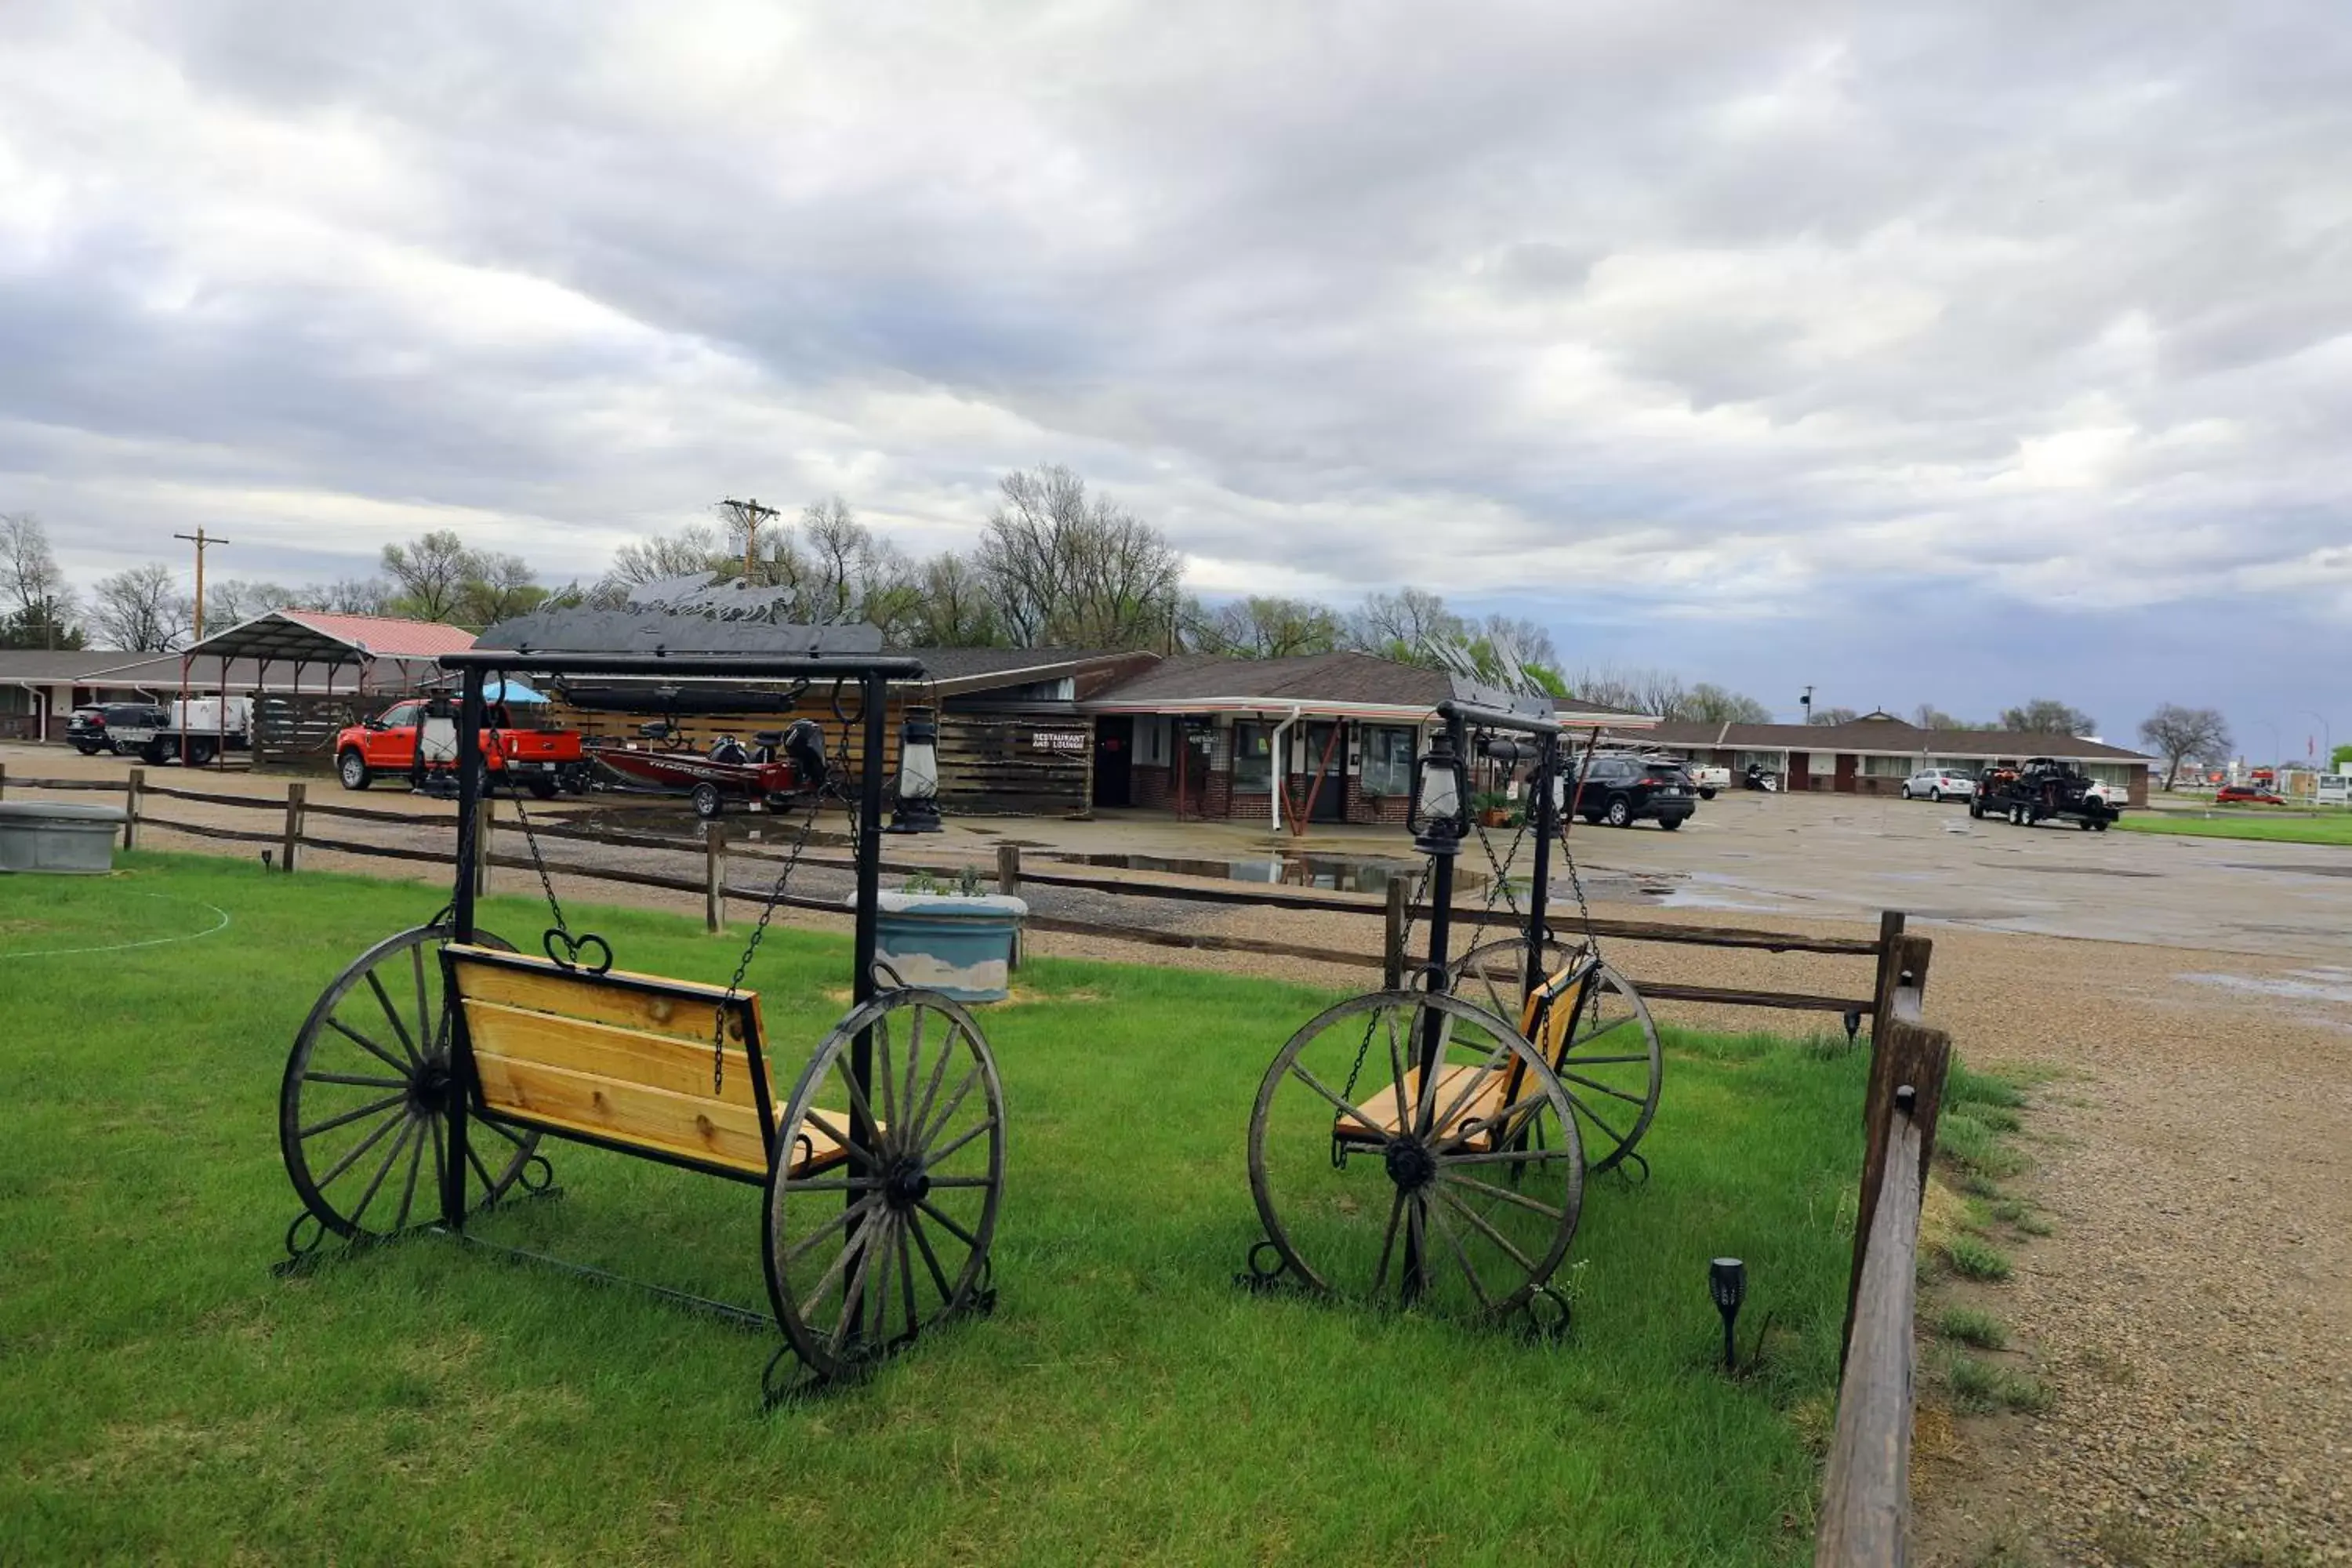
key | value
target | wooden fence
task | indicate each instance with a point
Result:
(1390, 955)
(1866, 1489)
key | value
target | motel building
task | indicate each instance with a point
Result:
(1874, 753)
(1337, 732)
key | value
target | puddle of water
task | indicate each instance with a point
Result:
(2302, 985)
(1341, 874)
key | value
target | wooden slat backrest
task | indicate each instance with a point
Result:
(621, 1057)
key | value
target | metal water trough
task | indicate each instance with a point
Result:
(47, 835)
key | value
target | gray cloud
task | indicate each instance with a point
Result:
(1719, 310)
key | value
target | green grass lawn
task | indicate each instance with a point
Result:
(2274, 823)
(168, 1398)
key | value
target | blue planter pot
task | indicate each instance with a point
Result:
(961, 947)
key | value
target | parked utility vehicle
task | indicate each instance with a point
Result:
(541, 760)
(2043, 789)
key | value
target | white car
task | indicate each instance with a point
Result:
(1938, 784)
(2115, 795)
(1709, 780)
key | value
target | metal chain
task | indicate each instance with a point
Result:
(759, 933)
(831, 784)
(1363, 1047)
(529, 837)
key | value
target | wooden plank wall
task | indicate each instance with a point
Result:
(297, 732)
(990, 765)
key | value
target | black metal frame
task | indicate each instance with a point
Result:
(873, 673)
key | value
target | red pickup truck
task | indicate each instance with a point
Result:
(541, 760)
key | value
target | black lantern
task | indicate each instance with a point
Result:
(918, 807)
(1441, 799)
(1727, 1281)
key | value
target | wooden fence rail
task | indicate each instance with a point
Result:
(1866, 1489)
(1395, 910)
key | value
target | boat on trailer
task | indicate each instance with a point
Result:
(780, 767)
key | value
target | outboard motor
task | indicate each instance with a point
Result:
(805, 749)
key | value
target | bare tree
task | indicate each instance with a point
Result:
(1265, 628)
(2180, 735)
(141, 609)
(1400, 624)
(1528, 639)
(348, 596)
(2047, 716)
(1833, 716)
(954, 609)
(233, 601)
(1710, 704)
(692, 550)
(36, 607)
(1064, 567)
(500, 586)
(431, 573)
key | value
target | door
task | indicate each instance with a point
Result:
(1843, 780)
(1114, 758)
(1800, 770)
(1327, 760)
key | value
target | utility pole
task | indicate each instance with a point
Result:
(753, 514)
(1806, 702)
(200, 539)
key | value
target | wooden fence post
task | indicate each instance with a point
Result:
(297, 793)
(131, 794)
(714, 877)
(4, 781)
(1865, 1492)
(1400, 916)
(482, 818)
(1882, 994)
(1008, 881)
(1907, 1052)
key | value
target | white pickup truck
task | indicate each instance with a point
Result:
(199, 728)
(1709, 780)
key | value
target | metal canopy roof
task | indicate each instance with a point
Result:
(317, 636)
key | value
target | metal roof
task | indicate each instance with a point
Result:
(320, 637)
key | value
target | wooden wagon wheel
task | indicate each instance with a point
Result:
(364, 1108)
(1464, 1201)
(870, 1241)
(1612, 1069)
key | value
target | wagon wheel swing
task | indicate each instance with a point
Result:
(882, 1169)
(1543, 1063)
(1589, 1019)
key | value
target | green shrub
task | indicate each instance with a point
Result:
(1974, 1259)
(1973, 1326)
(1973, 1146)
(1966, 1085)
(1978, 1388)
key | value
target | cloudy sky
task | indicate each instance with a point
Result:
(1959, 352)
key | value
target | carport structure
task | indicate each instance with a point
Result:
(386, 654)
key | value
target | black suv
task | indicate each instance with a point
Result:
(1622, 791)
(118, 727)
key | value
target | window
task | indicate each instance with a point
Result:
(400, 715)
(1888, 767)
(1253, 757)
(1388, 762)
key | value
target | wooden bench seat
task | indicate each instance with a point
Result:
(625, 1059)
(1386, 1120)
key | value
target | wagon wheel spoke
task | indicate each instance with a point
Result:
(1504, 1194)
(348, 1117)
(358, 1080)
(416, 1165)
(362, 1040)
(392, 1158)
(1599, 1088)
(1462, 1255)
(955, 1103)
(846, 1216)
(1353, 1112)
(887, 1078)
(1486, 1228)
(391, 1015)
(1388, 1242)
